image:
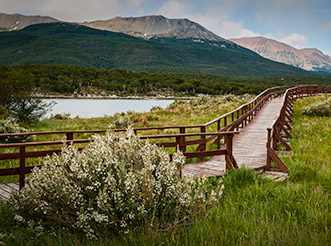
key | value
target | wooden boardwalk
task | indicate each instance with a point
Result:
(266, 120)
(7, 189)
(249, 146)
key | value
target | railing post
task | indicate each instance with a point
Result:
(179, 144)
(70, 136)
(228, 155)
(22, 167)
(238, 112)
(182, 140)
(218, 141)
(203, 130)
(268, 147)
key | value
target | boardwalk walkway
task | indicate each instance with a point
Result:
(249, 147)
(266, 125)
(7, 189)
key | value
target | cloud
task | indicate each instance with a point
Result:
(72, 10)
(270, 35)
(296, 40)
(230, 29)
(172, 9)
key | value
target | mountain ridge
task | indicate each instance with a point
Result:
(71, 44)
(12, 22)
(155, 26)
(310, 59)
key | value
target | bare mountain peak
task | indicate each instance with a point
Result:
(308, 58)
(155, 25)
(11, 22)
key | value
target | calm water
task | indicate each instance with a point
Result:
(89, 108)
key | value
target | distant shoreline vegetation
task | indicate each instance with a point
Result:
(81, 82)
(111, 97)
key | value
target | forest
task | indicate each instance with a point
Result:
(69, 80)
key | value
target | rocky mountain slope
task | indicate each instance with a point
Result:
(11, 22)
(155, 26)
(308, 59)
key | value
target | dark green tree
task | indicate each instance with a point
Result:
(16, 96)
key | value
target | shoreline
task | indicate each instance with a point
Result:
(113, 97)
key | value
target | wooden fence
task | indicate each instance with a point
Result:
(223, 127)
(279, 131)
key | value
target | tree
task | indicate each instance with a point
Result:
(16, 96)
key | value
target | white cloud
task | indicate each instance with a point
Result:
(296, 40)
(270, 35)
(172, 9)
(230, 29)
(72, 10)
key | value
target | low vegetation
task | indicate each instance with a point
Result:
(116, 185)
(252, 210)
(8, 126)
(322, 108)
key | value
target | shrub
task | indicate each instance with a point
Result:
(63, 116)
(115, 184)
(4, 113)
(156, 108)
(319, 109)
(8, 126)
(122, 122)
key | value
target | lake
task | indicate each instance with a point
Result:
(91, 108)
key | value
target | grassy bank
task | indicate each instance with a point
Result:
(252, 210)
(181, 112)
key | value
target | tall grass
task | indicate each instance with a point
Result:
(252, 211)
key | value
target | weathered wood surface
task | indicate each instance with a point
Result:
(7, 189)
(249, 146)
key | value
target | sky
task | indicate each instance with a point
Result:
(299, 23)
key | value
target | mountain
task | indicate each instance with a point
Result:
(155, 26)
(308, 59)
(10, 22)
(64, 43)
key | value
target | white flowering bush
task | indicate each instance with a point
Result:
(8, 126)
(116, 184)
(122, 122)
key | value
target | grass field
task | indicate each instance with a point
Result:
(252, 211)
(181, 112)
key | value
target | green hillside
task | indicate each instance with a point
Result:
(63, 43)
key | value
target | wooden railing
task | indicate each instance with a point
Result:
(279, 131)
(225, 126)
(180, 144)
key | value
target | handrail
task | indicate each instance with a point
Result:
(240, 117)
(180, 144)
(144, 128)
(280, 128)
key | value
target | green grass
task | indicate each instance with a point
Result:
(198, 111)
(252, 211)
